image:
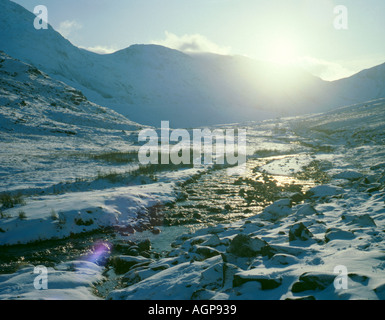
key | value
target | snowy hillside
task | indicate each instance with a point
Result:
(32, 102)
(62, 156)
(366, 85)
(150, 83)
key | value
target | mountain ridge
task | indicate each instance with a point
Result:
(150, 83)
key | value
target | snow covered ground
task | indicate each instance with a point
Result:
(74, 199)
(292, 251)
(289, 251)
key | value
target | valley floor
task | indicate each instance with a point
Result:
(308, 211)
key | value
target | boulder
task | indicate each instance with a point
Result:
(364, 220)
(245, 246)
(299, 232)
(267, 281)
(338, 234)
(123, 264)
(313, 281)
(323, 191)
(349, 175)
(281, 259)
(206, 252)
(277, 211)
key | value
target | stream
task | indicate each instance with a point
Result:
(209, 199)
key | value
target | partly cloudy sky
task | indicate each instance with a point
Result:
(299, 31)
(191, 43)
(67, 28)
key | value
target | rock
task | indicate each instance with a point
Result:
(123, 264)
(144, 245)
(267, 282)
(323, 191)
(375, 187)
(380, 291)
(277, 211)
(305, 211)
(359, 278)
(338, 234)
(299, 232)
(206, 252)
(213, 241)
(364, 220)
(302, 298)
(297, 197)
(123, 248)
(160, 267)
(131, 277)
(133, 251)
(203, 294)
(244, 246)
(281, 259)
(229, 271)
(349, 175)
(313, 281)
(155, 230)
(377, 166)
(212, 277)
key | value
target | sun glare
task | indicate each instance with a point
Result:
(283, 51)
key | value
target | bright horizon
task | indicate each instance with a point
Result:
(300, 33)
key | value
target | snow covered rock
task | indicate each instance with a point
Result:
(299, 232)
(277, 211)
(245, 246)
(380, 291)
(267, 281)
(191, 278)
(338, 234)
(324, 191)
(363, 220)
(281, 259)
(313, 281)
(349, 175)
(205, 251)
(305, 211)
(123, 264)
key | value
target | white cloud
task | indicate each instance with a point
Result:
(191, 43)
(67, 27)
(101, 49)
(326, 70)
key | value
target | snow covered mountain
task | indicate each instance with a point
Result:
(366, 85)
(149, 83)
(33, 103)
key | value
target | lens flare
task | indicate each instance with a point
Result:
(100, 253)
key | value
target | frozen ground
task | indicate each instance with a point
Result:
(291, 251)
(311, 199)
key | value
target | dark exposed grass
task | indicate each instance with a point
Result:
(314, 171)
(117, 157)
(9, 201)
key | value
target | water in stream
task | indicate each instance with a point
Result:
(209, 199)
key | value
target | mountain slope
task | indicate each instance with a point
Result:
(32, 102)
(149, 83)
(366, 85)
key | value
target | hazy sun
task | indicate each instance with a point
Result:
(283, 51)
